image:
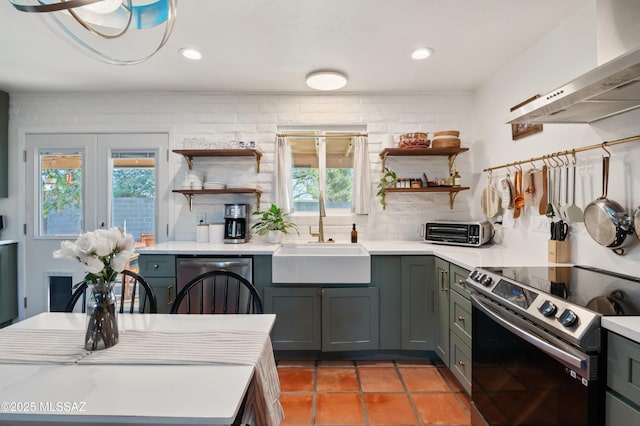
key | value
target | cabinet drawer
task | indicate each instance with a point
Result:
(457, 275)
(460, 316)
(157, 265)
(623, 367)
(618, 413)
(461, 362)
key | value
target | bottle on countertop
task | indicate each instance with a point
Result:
(354, 234)
(456, 178)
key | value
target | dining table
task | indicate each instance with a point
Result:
(165, 369)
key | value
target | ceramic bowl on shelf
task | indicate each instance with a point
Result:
(214, 185)
(413, 140)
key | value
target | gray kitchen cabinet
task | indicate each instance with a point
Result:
(460, 326)
(418, 303)
(386, 276)
(4, 144)
(453, 329)
(8, 283)
(159, 270)
(622, 405)
(441, 280)
(327, 319)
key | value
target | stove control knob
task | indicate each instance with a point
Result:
(486, 280)
(548, 309)
(474, 275)
(568, 318)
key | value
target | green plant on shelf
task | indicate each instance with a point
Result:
(388, 180)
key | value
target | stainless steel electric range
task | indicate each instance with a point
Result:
(538, 344)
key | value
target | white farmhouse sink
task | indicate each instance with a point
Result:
(321, 264)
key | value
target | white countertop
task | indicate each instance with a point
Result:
(5, 242)
(466, 257)
(628, 327)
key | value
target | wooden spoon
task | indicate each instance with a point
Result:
(542, 208)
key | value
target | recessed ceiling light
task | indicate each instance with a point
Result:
(326, 80)
(422, 53)
(191, 53)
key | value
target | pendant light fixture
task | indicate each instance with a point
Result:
(103, 28)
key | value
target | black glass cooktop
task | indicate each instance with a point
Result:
(605, 292)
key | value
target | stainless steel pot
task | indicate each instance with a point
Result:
(607, 221)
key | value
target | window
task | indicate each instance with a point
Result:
(321, 163)
(61, 192)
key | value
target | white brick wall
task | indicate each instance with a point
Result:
(217, 117)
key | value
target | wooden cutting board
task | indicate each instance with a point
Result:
(532, 188)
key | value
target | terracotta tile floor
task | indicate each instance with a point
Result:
(371, 393)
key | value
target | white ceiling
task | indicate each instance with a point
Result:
(271, 45)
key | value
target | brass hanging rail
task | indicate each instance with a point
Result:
(566, 152)
(307, 136)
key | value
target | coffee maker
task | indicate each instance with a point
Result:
(236, 223)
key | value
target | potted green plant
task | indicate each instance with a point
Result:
(272, 224)
(388, 180)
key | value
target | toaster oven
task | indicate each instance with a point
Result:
(472, 234)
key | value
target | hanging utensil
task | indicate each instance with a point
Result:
(490, 201)
(542, 207)
(549, 208)
(636, 221)
(606, 221)
(507, 191)
(574, 213)
(518, 200)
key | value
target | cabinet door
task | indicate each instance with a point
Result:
(8, 283)
(350, 319)
(418, 304)
(165, 291)
(298, 311)
(460, 310)
(441, 281)
(460, 355)
(457, 277)
(4, 144)
(385, 275)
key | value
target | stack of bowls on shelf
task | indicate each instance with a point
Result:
(446, 139)
(192, 180)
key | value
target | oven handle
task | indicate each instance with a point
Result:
(570, 359)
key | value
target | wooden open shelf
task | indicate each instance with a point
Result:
(451, 190)
(190, 193)
(190, 154)
(452, 153)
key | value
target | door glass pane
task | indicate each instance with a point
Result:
(61, 197)
(133, 182)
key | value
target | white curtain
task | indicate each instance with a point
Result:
(361, 195)
(284, 189)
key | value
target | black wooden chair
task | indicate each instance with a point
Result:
(218, 292)
(136, 295)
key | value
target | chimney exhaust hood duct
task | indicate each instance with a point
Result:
(611, 88)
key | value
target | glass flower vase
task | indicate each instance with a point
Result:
(102, 319)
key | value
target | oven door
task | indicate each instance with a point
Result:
(520, 377)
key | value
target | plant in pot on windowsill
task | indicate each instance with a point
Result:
(273, 224)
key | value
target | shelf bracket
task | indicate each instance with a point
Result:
(189, 159)
(384, 201)
(258, 194)
(452, 159)
(384, 159)
(452, 197)
(257, 164)
(189, 198)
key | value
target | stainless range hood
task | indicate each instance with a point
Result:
(609, 89)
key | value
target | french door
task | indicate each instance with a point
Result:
(82, 182)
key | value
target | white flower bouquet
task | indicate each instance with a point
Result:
(103, 252)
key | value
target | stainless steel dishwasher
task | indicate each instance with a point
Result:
(190, 267)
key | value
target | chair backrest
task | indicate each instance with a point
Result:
(134, 294)
(218, 292)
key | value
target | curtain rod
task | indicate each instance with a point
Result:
(567, 152)
(333, 135)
